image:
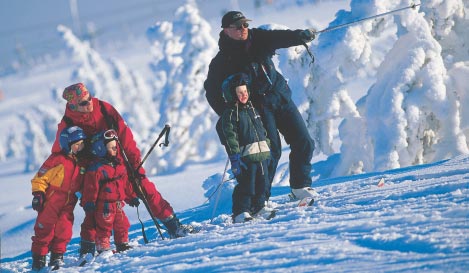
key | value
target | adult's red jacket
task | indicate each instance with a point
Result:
(95, 122)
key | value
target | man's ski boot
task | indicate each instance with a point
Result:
(242, 218)
(306, 192)
(264, 213)
(39, 262)
(176, 229)
(56, 261)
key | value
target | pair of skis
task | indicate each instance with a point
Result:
(303, 202)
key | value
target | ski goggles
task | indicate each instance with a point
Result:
(85, 102)
(240, 26)
(110, 134)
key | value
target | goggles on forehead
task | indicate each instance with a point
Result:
(110, 134)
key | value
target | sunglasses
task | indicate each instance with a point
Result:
(240, 26)
(110, 134)
(85, 102)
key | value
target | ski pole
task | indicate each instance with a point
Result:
(412, 6)
(218, 195)
(136, 184)
(145, 239)
(165, 130)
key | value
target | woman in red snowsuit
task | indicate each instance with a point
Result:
(54, 187)
(106, 186)
(94, 115)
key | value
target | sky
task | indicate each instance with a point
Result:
(382, 100)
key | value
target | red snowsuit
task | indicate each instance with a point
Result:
(59, 177)
(106, 185)
(95, 122)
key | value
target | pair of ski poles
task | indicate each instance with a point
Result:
(136, 181)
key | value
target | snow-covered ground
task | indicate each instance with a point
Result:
(384, 99)
(416, 222)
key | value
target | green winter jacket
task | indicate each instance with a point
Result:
(242, 132)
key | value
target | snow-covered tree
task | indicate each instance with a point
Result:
(408, 115)
(182, 50)
(35, 143)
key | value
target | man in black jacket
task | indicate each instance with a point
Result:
(251, 51)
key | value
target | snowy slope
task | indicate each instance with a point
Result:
(417, 221)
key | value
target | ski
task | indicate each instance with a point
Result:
(88, 258)
(265, 216)
(45, 269)
(272, 214)
(306, 202)
(50, 268)
(381, 182)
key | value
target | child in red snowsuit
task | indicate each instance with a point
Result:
(106, 187)
(54, 187)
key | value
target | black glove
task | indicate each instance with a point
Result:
(38, 200)
(134, 202)
(307, 35)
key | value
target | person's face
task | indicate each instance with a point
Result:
(111, 148)
(242, 93)
(237, 31)
(85, 105)
(77, 146)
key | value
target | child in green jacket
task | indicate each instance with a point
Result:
(241, 131)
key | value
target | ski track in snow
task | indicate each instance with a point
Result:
(417, 221)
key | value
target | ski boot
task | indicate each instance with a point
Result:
(87, 247)
(39, 262)
(56, 261)
(122, 247)
(263, 213)
(242, 218)
(175, 228)
(306, 192)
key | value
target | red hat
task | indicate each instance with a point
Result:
(74, 93)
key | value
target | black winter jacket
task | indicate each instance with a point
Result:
(252, 56)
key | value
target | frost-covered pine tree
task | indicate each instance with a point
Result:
(408, 115)
(449, 23)
(36, 146)
(182, 50)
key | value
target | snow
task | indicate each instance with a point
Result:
(384, 99)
